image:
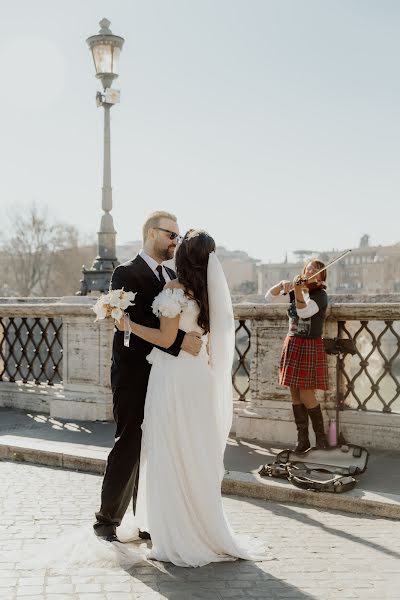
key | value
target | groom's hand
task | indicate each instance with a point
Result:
(192, 343)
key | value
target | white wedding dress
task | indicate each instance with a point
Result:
(181, 466)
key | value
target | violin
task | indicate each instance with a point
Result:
(309, 285)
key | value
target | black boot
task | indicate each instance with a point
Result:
(317, 421)
(301, 420)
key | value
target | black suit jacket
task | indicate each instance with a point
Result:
(130, 363)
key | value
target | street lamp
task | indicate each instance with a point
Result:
(106, 49)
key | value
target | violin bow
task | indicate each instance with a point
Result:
(332, 262)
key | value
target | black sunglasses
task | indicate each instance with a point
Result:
(172, 234)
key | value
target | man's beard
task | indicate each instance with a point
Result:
(165, 253)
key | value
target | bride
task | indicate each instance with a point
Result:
(188, 415)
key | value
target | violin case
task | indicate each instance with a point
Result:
(320, 469)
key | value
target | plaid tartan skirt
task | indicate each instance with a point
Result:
(303, 364)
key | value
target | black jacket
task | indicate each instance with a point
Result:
(136, 276)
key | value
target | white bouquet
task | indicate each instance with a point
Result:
(114, 305)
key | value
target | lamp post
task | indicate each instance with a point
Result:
(106, 48)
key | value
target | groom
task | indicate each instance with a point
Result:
(130, 370)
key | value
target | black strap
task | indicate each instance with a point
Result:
(161, 276)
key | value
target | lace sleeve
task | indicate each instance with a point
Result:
(169, 303)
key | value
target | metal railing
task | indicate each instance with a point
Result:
(31, 349)
(371, 379)
(241, 364)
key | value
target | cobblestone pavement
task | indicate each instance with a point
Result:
(319, 554)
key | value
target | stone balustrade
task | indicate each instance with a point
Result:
(84, 391)
(55, 359)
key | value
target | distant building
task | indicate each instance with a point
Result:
(240, 270)
(270, 274)
(367, 270)
(370, 270)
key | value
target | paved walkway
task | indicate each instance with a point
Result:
(319, 555)
(84, 445)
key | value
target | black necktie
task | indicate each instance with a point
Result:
(160, 274)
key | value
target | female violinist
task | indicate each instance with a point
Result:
(303, 365)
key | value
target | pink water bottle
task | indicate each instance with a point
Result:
(332, 432)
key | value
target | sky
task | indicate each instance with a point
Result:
(273, 124)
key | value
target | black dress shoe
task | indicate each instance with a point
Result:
(111, 538)
(144, 535)
(103, 531)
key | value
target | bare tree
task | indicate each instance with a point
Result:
(36, 250)
(67, 271)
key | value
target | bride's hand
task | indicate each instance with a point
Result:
(122, 325)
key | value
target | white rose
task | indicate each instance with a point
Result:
(127, 299)
(115, 298)
(117, 313)
(100, 308)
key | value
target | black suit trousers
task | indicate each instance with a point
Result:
(129, 377)
(122, 471)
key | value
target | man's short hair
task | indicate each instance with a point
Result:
(154, 221)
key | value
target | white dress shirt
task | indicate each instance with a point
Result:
(311, 308)
(153, 264)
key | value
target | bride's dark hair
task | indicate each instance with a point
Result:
(191, 260)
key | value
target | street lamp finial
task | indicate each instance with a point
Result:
(105, 27)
